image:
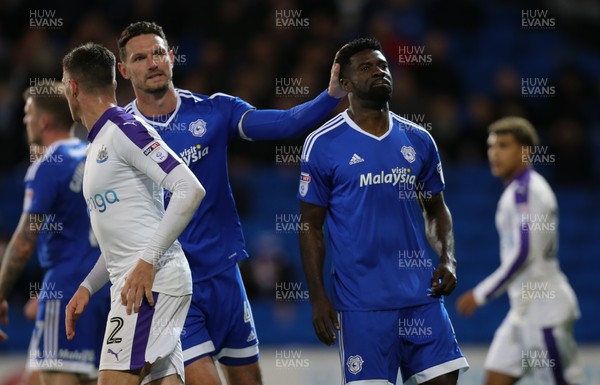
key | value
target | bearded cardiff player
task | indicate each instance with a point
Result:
(371, 175)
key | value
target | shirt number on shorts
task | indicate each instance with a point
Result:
(111, 338)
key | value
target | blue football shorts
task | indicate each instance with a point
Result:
(416, 342)
(219, 322)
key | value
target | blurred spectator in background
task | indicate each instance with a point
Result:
(270, 266)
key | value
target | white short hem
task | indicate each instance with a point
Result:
(162, 374)
(249, 351)
(460, 364)
(199, 350)
(506, 371)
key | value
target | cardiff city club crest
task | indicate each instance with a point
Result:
(354, 364)
(198, 127)
(409, 153)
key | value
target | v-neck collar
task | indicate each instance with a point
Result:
(355, 126)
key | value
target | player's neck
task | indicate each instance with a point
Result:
(152, 104)
(509, 177)
(55, 135)
(375, 121)
(93, 107)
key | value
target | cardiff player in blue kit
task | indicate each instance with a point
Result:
(199, 128)
(55, 219)
(372, 176)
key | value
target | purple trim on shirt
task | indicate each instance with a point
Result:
(138, 133)
(142, 333)
(522, 181)
(169, 164)
(107, 115)
(557, 369)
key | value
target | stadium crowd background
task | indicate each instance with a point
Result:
(457, 66)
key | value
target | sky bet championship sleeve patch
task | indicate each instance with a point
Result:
(156, 152)
(304, 181)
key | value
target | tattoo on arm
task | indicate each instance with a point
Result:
(19, 251)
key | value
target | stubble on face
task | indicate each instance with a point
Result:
(367, 86)
(148, 64)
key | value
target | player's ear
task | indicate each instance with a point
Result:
(346, 85)
(74, 87)
(123, 70)
(172, 57)
(45, 119)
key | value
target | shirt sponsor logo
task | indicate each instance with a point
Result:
(398, 175)
(304, 181)
(100, 202)
(198, 128)
(193, 154)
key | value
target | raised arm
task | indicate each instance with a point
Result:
(312, 251)
(279, 124)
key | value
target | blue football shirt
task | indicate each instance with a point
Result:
(53, 193)
(199, 131)
(371, 188)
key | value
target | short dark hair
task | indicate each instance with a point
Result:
(354, 47)
(54, 103)
(92, 65)
(136, 29)
(521, 128)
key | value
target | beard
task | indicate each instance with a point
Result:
(378, 94)
(157, 89)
